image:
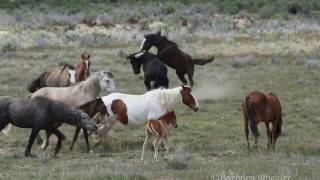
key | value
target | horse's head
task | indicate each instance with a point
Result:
(85, 62)
(106, 82)
(150, 40)
(136, 61)
(188, 98)
(87, 123)
(72, 76)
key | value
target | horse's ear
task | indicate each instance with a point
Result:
(82, 56)
(158, 33)
(144, 35)
(89, 56)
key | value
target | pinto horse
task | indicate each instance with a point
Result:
(170, 54)
(259, 107)
(160, 130)
(151, 105)
(63, 75)
(41, 113)
(153, 68)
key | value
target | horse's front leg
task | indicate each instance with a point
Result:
(61, 137)
(144, 147)
(86, 137)
(147, 84)
(46, 142)
(103, 131)
(33, 136)
(75, 137)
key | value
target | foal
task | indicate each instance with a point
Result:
(160, 130)
(258, 107)
(93, 109)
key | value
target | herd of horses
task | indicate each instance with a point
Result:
(71, 94)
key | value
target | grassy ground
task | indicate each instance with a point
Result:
(273, 56)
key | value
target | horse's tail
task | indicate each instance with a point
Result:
(7, 129)
(251, 115)
(202, 61)
(36, 83)
(161, 81)
(279, 125)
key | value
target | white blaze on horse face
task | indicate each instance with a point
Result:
(87, 63)
(138, 55)
(72, 75)
(142, 44)
(195, 99)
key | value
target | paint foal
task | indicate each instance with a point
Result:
(159, 129)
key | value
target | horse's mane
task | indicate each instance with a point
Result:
(167, 97)
(90, 84)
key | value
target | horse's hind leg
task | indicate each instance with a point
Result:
(268, 134)
(59, 143)
(46, 141)
(273, 133)
(181, 77)
(75, 137)
(190, 77)
(246, 131)
(33, 136)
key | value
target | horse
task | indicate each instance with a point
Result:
(150, 105)
(259, 107)
(170, 54)
(93, 109)
(41, 113)
(63, 75)
(82, 69)
(99, 83)
(153, 68)
(159, 129)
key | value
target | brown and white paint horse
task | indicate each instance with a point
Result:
(159, 129)
(259, 107)
(151, 105)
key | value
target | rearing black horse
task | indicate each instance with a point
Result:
(41, 113)
(170, 54)
(154, 69)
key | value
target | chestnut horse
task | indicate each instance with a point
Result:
(63, 75)
(259, 107)
(170, 54)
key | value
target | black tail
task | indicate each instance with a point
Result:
(36, 83)
(161, 81)
(278, 130)
(252, 121)
(202, 61)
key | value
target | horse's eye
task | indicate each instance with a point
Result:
(107, 81)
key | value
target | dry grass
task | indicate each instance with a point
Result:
(274, 56)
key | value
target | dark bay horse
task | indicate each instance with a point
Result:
(170, 54)
(91, 108)
(63, 75)
(153, 68)
(41, 113)
(259, 107)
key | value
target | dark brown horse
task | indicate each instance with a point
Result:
(170, 54)
(259, 107)
(41, 113)
(63, 75)
(153, 68)
(91, 108)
